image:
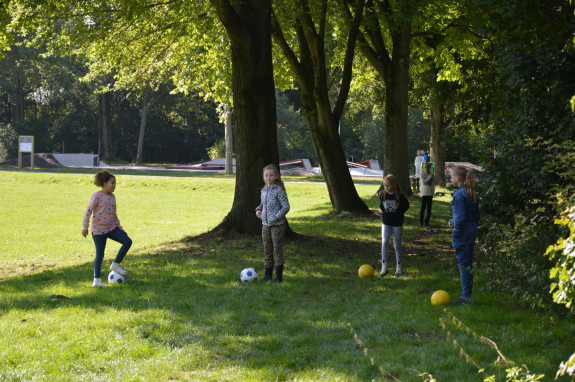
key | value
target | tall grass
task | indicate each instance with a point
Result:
(184, 315)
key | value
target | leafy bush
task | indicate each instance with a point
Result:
(563, 274)
(218, 150)
(8, 142)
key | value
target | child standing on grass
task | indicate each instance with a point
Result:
(393, 204)
(272, 211)
(105, 225)
(465, 209)
(427, 184)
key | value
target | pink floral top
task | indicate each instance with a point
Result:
(103, 207)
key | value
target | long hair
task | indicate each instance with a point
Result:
(279, 180)
(391, 179)
(469, 183)
(102, 177)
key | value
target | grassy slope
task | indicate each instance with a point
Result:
(184, 316)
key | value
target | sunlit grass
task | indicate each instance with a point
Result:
(184, 315)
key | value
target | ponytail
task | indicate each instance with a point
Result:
(470, 185)
(280, 183)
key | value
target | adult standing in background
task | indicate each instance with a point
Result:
(417, 164)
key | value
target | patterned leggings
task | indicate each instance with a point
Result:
(273, 237)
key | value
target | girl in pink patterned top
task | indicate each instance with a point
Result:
(105, 225)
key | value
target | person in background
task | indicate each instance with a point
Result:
(427, 186)
(417, 163)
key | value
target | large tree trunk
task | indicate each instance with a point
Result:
(311, 71)
(143, 121)
(331, 157)
(437, 141)
(248, 26)
(394, 69)
(105, 147)
(396, 78)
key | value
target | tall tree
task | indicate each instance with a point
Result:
(384, 40)
(310, 65)
(248, 25)
(137, 40)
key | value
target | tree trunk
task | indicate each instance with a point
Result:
(331, 157)
(228, 139)
(143, 121)
(396, 77)
(105, 148)
(323, 122)
(394, 69)
(248, 26)
(438, 126)
(20, 99)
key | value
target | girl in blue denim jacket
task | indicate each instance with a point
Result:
(272, 211)
(465, 209)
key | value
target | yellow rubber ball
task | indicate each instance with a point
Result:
(440, 297)
(366, 270)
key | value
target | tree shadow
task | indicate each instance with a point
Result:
(259, 325)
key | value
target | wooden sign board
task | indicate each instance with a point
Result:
(25, 145)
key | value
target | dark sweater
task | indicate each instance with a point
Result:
(392, 214)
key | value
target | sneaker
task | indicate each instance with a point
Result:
(118, 268)
(463, 301)
(399, 270)
(384, 270)
(98, 283)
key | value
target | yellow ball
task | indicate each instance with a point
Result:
(366, 270)
(440, 297)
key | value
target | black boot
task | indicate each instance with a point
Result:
(268, 274)
(279, 273)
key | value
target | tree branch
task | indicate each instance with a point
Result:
(279, 38)
(348, 60)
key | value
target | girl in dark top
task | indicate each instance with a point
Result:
(393, 204)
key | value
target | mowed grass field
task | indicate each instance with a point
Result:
(184, 315)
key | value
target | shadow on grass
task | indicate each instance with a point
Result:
(260, 325)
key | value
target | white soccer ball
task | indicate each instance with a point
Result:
(116, 278)
(249, 274)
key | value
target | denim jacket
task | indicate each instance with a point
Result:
(465, 218)
(274, 205)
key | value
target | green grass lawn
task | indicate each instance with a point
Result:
(184, 314)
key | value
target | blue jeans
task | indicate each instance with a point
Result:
(100, 242)
(386, 231)
(464, 255)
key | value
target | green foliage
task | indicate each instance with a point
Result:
(532, 126)
(218, 150)
(510, 252)
(8, 142)
(563, 255)
(563, 273)
(294, 139)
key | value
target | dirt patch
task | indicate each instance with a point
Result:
(40, 161)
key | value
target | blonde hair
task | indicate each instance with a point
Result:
(392, 180)
(279, 180)
(469, 180)
(102, 177)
